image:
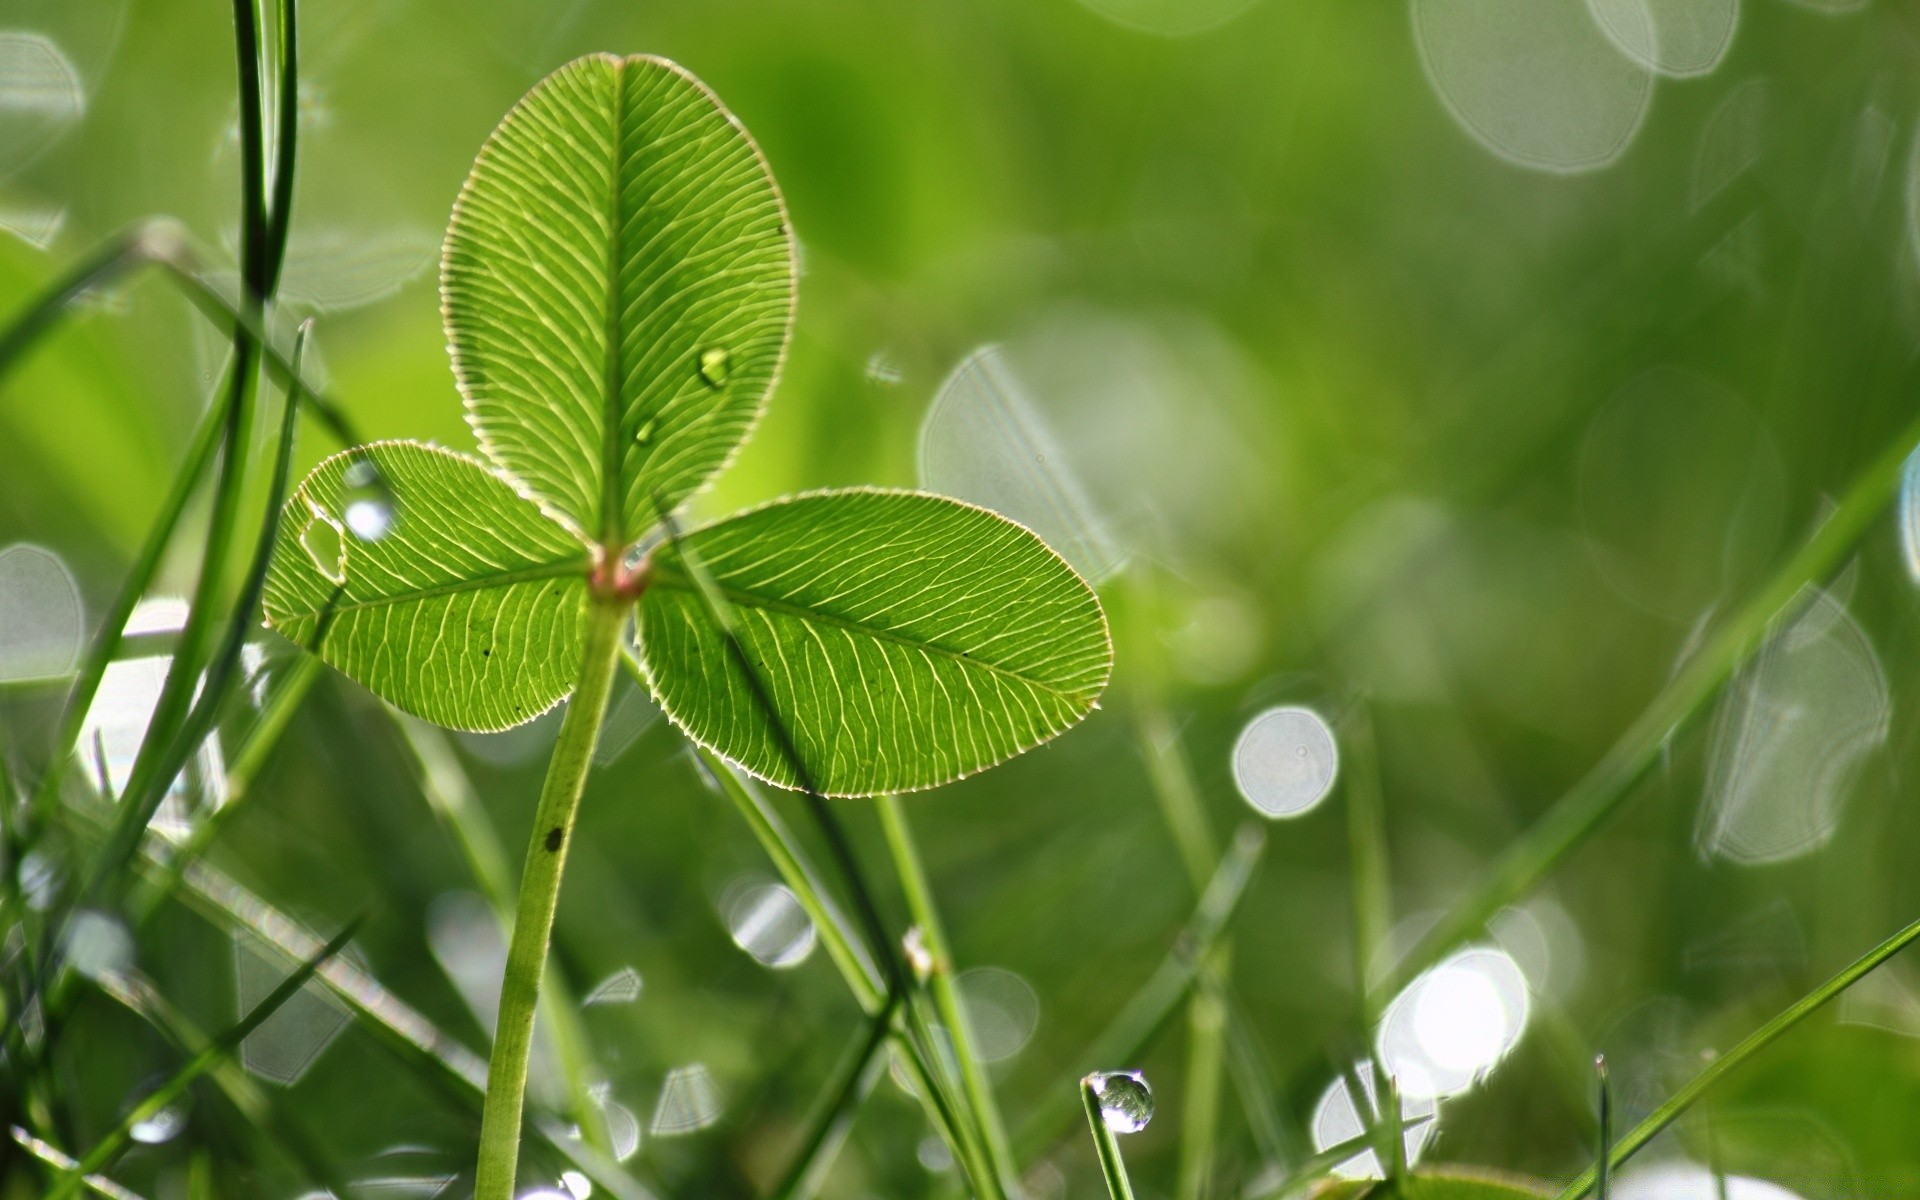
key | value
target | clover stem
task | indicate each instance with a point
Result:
(539, 896)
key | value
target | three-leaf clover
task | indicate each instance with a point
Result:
(618, 288)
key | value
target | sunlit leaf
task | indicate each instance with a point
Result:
(905, 639)
(618, 286)
(467, 611)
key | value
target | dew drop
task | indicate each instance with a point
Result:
(918, 956)
(716, 366)
(644, 434)
(367, 502)
(1126, 1102)
(160, 1127)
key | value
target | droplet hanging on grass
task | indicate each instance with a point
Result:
(366, 501)
(1126, 1102)
(162, 1126)
(716, 366)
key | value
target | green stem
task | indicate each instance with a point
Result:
(1726, 1064)
(1106, 1145)
(539, 897)
(1601, 793)
(835, 1120)
(1372, 919)
(451, 796)
(1206, 1062)
(976, 1088)
(1180, 806)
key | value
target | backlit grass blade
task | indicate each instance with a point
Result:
(265, 1112)
(48, 1154)
(1724, 1065)
(1599, 795)
(1173, 787)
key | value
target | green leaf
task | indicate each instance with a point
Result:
(469, 612)
(906, 639)
(618, 287)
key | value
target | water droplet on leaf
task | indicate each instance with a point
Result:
(1126, 1102)
(716, 366)
(366, 501)
(644, 434)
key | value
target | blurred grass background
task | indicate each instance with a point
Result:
(1384, 415)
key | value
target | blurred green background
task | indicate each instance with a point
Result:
(1389, 409)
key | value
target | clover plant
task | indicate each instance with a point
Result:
(618, 289)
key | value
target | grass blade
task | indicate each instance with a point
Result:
(976, 1087)
(223, 1045)
(47, 1154)
(265, 1112)
(1731, 1061)
(1107, 1146)
(830, 1129)
(1127, 1036)
(1173, 787)
(1603, 1165)
(1598, 796)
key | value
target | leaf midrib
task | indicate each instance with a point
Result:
(665, 576)
(558, 569)
(613, 365)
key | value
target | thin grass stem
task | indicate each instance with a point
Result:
(1598, 796)
(540, 877)
(1173, 787)
(264, 1113)
(1734, 1059)
(1603, 1165)
(827, 1133)
(1113, 1169)
(1133, 1028)
(227, 1042)
(977, 1088)
(965, 1138)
